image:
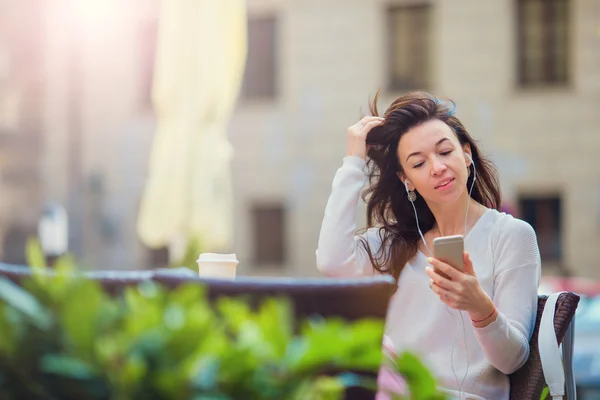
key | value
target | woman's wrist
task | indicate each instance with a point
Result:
(482, 323)
(357, 147)
(485, 314)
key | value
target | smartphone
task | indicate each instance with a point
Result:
(449, 249)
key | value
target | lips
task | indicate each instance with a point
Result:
(444, 183)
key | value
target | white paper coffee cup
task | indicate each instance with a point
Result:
(214, 265)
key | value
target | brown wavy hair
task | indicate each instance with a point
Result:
(387, 204)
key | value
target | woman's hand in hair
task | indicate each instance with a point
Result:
(462, 291)
(357, 136)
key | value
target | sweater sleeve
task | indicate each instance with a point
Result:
(505, 341)
(339, 252)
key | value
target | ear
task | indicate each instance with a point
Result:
(467, 150)
(401, 176)
(404, 180)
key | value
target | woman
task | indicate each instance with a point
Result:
(473, 329)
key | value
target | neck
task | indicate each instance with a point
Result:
(450, 218)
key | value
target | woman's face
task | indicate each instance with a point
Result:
(434, 162)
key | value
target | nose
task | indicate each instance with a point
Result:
(437, 167)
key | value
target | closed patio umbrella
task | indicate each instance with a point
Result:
(200, 59)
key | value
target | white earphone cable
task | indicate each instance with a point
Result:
(459, 382)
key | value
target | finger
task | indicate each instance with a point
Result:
(444, 294)
(356, 130)
(373, 120)
(364, 120)
(368, 119)
(445, 268)
(370, 125)
(436, 288)
(439, 280)
(469, 269)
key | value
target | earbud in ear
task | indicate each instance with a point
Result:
(469, 157)
(412, 196)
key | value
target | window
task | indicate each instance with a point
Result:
(409, 47)
(260, 76)
(545, 216)
(159, 257)
(269, 234)
(543, 42)
(15, 242)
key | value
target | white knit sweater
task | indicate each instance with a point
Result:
(507, 263)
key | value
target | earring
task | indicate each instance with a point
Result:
(412, 196)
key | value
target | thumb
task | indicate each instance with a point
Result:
(469, 270)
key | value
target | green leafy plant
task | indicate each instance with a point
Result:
(64, 337)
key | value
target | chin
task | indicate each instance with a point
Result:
(446, 197)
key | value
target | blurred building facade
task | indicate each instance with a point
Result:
(82, 119)
(21, 125)
(525, 76)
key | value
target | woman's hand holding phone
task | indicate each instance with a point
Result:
(461, 290)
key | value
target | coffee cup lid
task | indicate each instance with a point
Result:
(212, 257)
